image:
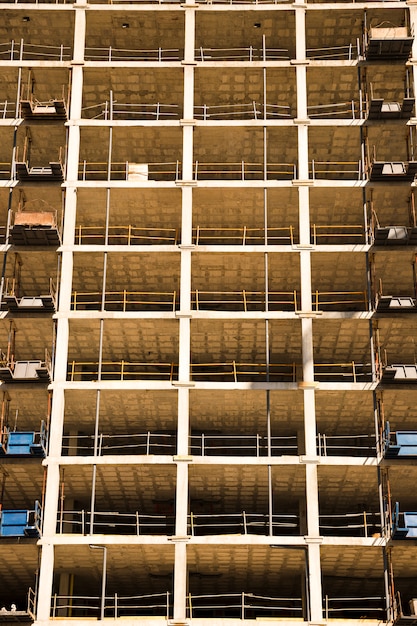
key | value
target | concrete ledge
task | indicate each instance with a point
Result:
(308, 384)
(191, 122)
(183, 457)
(186, 183)
(298, 182)
(300, 61)
(185, 383)
(315, 460)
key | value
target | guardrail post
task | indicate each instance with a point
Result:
(115, 605)
(243, 606)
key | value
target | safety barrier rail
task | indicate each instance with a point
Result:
(353, 524)
(5, 170)
(343, 372)
(124, 54)
(125, 235)
(349, 52)
(243, 523)
(114, 605)
(241, 54)
(241, 372)
(223, 372)
(248, 445)
(13, 288)
(103, 170)
(252, 111)
(32, 603)
(132, 443)
(120, 370)
(349, 110)
(111, 522)
(244, 300)
(7, 109)
(337, 234)
(165, 443)
(340, 300)
(243, 170)
(351, 170)
(112, 110)
(124, 300)
(354, 608)
(22, 51)
(243, 605)
(346, 445)
(243, 236)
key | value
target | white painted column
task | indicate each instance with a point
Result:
(181, 508)
(61, 356)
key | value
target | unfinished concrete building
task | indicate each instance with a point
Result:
(208, 312)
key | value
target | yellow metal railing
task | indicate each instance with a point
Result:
(123, 300)
(125, 235)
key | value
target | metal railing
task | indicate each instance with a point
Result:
(22, 51)
(249, 53)
(120, 370)
(351, 170)
(243, 605)
(354, 608)
(242, 170)
(103, 170)
(125, 235)
(6, 170)
(353, 524)
(114, 523)
(338, 233)
(113, 110)
(348, 110)
(243, 236)
(242, 523)
(123, 443)
(124, 300)
(343, 372)
(242, 372)
(346, 445)
(244, 300)
(238, 445)
(340, 301)
(348, 52)
(114, 606)
(231, 371)
(7, 109)
(124, 54)
(13, 288)
(251, 111)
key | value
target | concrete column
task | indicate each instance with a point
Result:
(300, 27)
(180, 582)
(302, 152)
(314, 580)
(45, 582)
(183, 421)
(310, 422)
(184, 350)
(189, 34)
(187, 216)
(181, 501)
(305, 271)
(79, 34)
(312, 500)
(304, 215)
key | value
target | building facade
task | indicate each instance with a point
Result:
(208, 312)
